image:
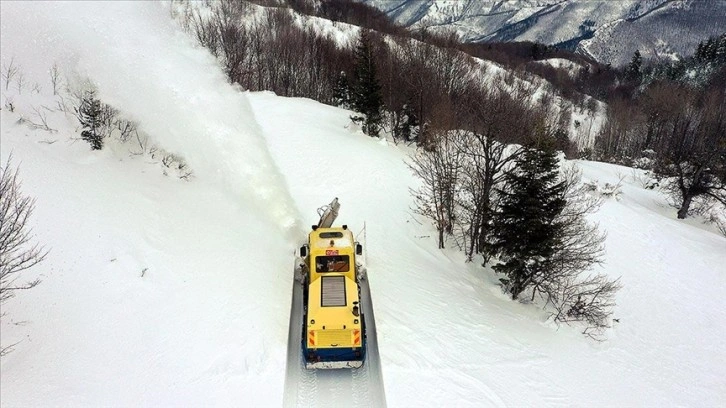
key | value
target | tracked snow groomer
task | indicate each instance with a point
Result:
(334, 331)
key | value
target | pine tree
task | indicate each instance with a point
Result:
(90, 114)
(341, 91)
(366, 96)
(524, 229)
(633, 70)
(699, 56)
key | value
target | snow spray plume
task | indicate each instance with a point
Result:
(147, 68)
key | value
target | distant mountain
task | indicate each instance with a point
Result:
(608, 30)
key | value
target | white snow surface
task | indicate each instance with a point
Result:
(161, 292)
(570, 66)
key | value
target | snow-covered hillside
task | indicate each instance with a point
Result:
(609, 31)
(164, 292)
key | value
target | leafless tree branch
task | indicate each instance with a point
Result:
(17, 252)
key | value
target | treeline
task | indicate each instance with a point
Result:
(697, 69)
(269, 51)
(671, 119)
(421, 84)
(593, 78)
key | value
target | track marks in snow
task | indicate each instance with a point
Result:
(307, 387)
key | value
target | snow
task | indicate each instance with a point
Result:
(162, 292)
(202, 117)
(569, 66)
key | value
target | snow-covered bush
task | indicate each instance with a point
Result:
(591, 186)
(9, 105)
(645, 179)
(611, 191)
(175, 164)
(713, 211)
(607, 190)
(719, 220)
(643, 163)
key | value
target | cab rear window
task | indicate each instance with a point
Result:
(332, 263)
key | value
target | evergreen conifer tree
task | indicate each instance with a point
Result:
(709, 50)
(90, 114)
(366, 96)
(341, 91)
(633, 69)
(525, 233)
(700, 51)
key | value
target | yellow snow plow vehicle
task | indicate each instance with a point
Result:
(334, 326)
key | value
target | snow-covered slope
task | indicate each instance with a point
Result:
(671, 31)
(610, 31)
(161, 292)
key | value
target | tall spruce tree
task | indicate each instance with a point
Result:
(525, 233)
(366, 96)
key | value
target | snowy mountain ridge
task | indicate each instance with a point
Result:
(609, 31)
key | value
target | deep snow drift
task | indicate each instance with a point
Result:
(161, 292)
(153, 73)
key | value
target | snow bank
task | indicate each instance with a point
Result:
(144, 66)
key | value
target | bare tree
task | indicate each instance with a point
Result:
(205, 30)
(485, 160)
(590, 300)
(54, 77)
(20, 82)
(439, 169)
(40, 121)
(417, 77)
(9, 71)
(126, 128)
(232, 38)
(693, 157)
(683, 128)
(17, 252)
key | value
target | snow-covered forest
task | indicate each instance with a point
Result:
(608, 31)
(540, 229)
